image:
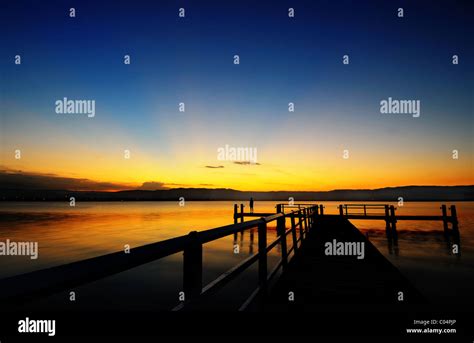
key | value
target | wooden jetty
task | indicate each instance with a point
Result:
(313, 278)
(303, 268)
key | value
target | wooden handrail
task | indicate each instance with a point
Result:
(49, 281)
(29, 286)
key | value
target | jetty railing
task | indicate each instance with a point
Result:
(37, 284)
(381, 212)
(365, 209)
(387, 213)
(368, 212)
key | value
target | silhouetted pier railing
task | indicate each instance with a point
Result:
(367, 212)
(387, 213)
(37, 284)
(383, 212)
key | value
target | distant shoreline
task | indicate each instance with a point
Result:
(392, 194)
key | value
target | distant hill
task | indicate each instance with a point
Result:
(409, 193)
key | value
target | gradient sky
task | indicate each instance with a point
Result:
(282, 59)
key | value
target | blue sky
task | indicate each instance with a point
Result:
(282, 59)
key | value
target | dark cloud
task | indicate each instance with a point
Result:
(215, 167)
(153, 186)
(18, 180)
(247, 163)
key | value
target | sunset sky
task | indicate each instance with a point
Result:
(282, 60)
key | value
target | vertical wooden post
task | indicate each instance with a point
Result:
(305, 216)
(236, 212)
(304, 221)
(365, 210)
(242, 212)
(300, 223)
(387, 222)
(293, 232)
(445, 218)
(309, 215)
(281, 232)
(192, 267)
(341, 212)
(321, 209)
(236, 215)
(388, 229)
(279, 208)
(456, 238)
(454, 219)
(262, 258)
(394, 224)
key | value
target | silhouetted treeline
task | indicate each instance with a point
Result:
(408, 193)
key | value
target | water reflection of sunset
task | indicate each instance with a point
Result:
(68, 234)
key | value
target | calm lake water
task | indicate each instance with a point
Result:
(66, 234)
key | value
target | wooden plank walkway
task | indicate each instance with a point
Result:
(317, 279)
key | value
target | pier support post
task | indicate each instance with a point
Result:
(387, 222)
(445, 219)
(321, 209)
(192, 267)
(279, 208)
(262, 258)
(293, 232)
(281, 223)
(341, 211)
(303, 222)
(456, 238)
(236, 213)
(242, 213)
(300, 223)
(310, 217)
(388, 231)
(236, 216)
(454, 219)
(305, 216)
(393, 220)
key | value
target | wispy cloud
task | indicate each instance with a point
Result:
(247, 163)
(215, 167)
